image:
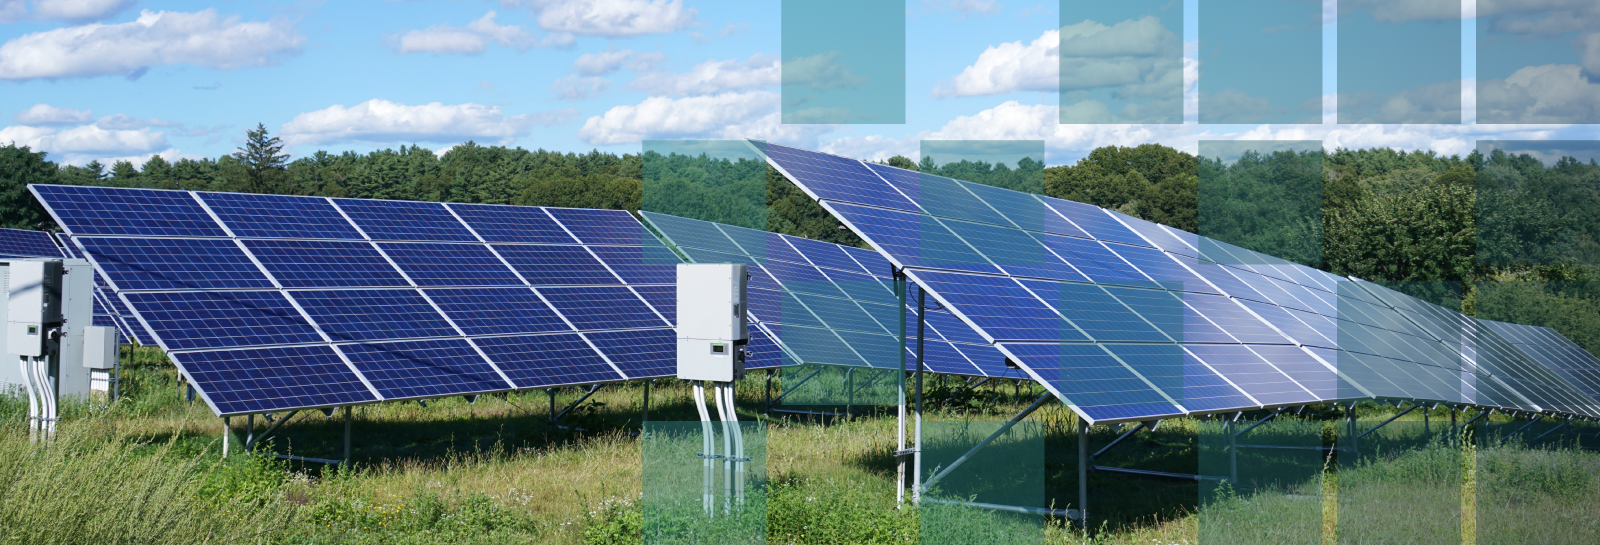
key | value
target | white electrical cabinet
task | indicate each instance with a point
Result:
(49, 305)
(712, 331)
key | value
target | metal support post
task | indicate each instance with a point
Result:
(347, 433)
(796, 385)
(1083, 474)
(849, 391)
(768, 396)
(1552, 430)
(900, 436)
(1463, 427)
(1114, 442)
(916, 455)
(1519, 430)
(552, 393)
(645, 417)
(573, 405)
(1386, 422)
(226, 431)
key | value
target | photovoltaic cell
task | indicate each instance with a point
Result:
(1233, 319)
(325, 264)
(431, 368)
(764, 353)
(1093, 259)
(916, 241)
(497, 311)
(174, 264)
(366, 315)
(279, 216)
(556, 265)
(193, 320)
(405, 220)
(649, 353)
(664, 299)
(1094, 381)
(273, 379)
(825, 255)
(1304, 369)
(1161, 267)
(1102, 317)
(685, 232)
(602, 226)
(500, 223)
(641, 264)
(1014, 251)
(603, 308)
(872, 262)
(1094, 221)
(947, 198)
(450, 264)
(25, 243)
(547, 360)
(90, 210)
(836, 178)
(1253, 375)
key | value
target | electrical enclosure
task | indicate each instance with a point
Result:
(712, 331)
(49, 303)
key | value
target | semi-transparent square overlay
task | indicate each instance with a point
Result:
(1536, 63)
(1264, 196)
(843, 62)
(1261, 62)
(1120, 62)
(1009, 471)
(1261, 483)
(838, 387)
(1537, 203)
(1377, 85)
(723, 181)
(675, 477)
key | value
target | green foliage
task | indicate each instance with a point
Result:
(259, 164)
(1407, 226)
(836, 512)
(1150, 182)
(790, 211)
(1570, 308)
(613, 522)
(707, 188)
(1270, 203)
(20, 166)
(246, 479)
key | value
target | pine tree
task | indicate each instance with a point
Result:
(260, 161)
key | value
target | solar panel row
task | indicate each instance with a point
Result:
(1064, 288)
(274, 302)
(26, 243)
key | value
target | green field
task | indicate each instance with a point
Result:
(147, 470)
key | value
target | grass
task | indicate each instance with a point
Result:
(147, 469)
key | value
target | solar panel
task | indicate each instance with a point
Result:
(450, 264)
(405, 220)
(836, 178)
(601, 226)
(499, 223)
(90, 210)
(420, 369)
(25, 243)
(279, 216)
(365, 315)
(497, 311)
(271, 379)
(173, 264)
(603, 307)
(547, 360)
(1095, 382)
(556, 265)
(197, 320)
(325, 264)
(644, 353)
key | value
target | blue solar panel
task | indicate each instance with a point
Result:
(556, 265)
(602, 226)
(999, 307)
(1162, 237)
(424, 368)
(1304, 369)
(279, 216)
(273, 379)
(1232, 319)
(816, 345)
(1289, 323)
(1161, 267)
(89, 210)
(191, 320)
(826, 255)
(1162, 309)
(451, 264)
(25, 243)
(915, 241)
(1023, 210)
(497, 311)
(649, 353)
(405, 220)
(872, 262)
(947, 198)
(764, 352)
(603, 308)
(1093, 380)
(325, 264)
(688, 232)
(174, 264)
(1253, 375)
(1095, 221)
(501, 223)
(847, 315)
(641, 264)
(1093, 260)
(836, 178)
(1101, 317)
(1014, 251)
(765, 305)
(664, 299)
(363, 315)
(547, 360)
(946, 324)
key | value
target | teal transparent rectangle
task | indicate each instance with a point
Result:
(843, 62)
(1400, 483)
(1536, 204)
(1378, 86)
(723, 181)
(1121, 62)
(1263, 196)
(1522, 492)
(1010, 471)
(1269, 491)
(1568, 307)
(1531, 68)
(673, 477)
(1010, 164)
(815, 385)
(1262, 62)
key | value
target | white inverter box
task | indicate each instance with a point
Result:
(712, 331)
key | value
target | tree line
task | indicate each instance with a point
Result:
(1452, 230)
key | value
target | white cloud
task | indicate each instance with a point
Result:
(752, 114)
(123, 122)
(12, 11)
(1551, 93)
(473, 39)
(575, 87)
(604, 62)
(712, 77)
(46, 115)
(1138, 55)
(77, 10)
(79, 145)
(611, 18)
(155, 39)
(820, 71)
(382, 121)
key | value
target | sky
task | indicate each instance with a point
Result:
(113, 80)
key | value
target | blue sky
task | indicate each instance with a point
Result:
(125, 79)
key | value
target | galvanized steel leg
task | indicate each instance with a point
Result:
(347, 433)
(1083, 475)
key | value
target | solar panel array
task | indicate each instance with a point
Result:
(271, 302)
(26, 243)
(830, 304)
(1555, 352)
(1126, 319)
(109, 309)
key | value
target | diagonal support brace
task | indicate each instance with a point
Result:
(1386, 422)
(1003, 429)
(574, 405)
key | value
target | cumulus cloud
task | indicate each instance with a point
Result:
(46, 115)
(471, 40)
(1137, 57)
(1401, 11)
(575, 87)
(752, 114)
(382, 121)
(12, 11)
(202, 39)
(609, 18)
(1551, 93)
(712, 77)
(82, 144)
(820, 71)
(611, 60)
(77, 10)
